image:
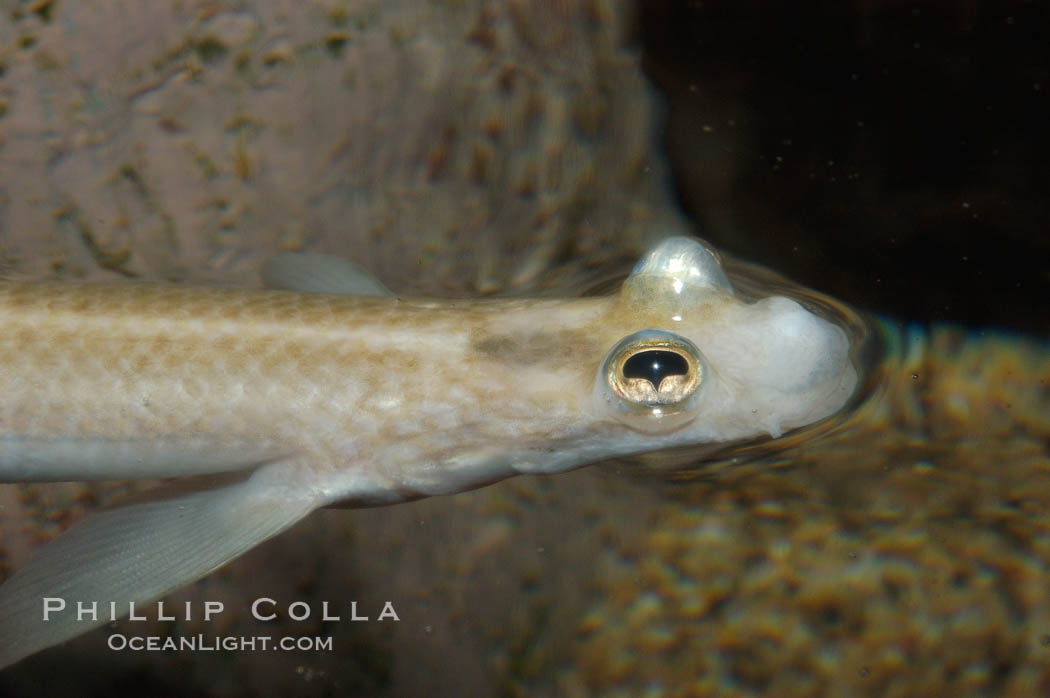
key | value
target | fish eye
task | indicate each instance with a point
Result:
(654, 366)
(652, 376)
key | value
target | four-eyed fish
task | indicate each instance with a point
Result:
(331, 390)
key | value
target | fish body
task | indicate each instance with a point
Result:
(308, 399)
(125, 381)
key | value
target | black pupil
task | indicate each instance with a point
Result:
(654, 365)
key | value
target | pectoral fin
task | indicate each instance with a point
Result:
(320, 273)
(140, 552)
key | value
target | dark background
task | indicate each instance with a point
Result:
(895, 155)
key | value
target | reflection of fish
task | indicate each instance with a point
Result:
(347, 394)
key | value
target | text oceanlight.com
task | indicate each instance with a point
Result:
(227, 643)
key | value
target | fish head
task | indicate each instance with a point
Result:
(688, 361)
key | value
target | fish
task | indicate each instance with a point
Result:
(326, 389)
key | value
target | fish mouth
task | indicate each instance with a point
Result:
(866, 333)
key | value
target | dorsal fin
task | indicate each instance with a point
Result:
(312, 272)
